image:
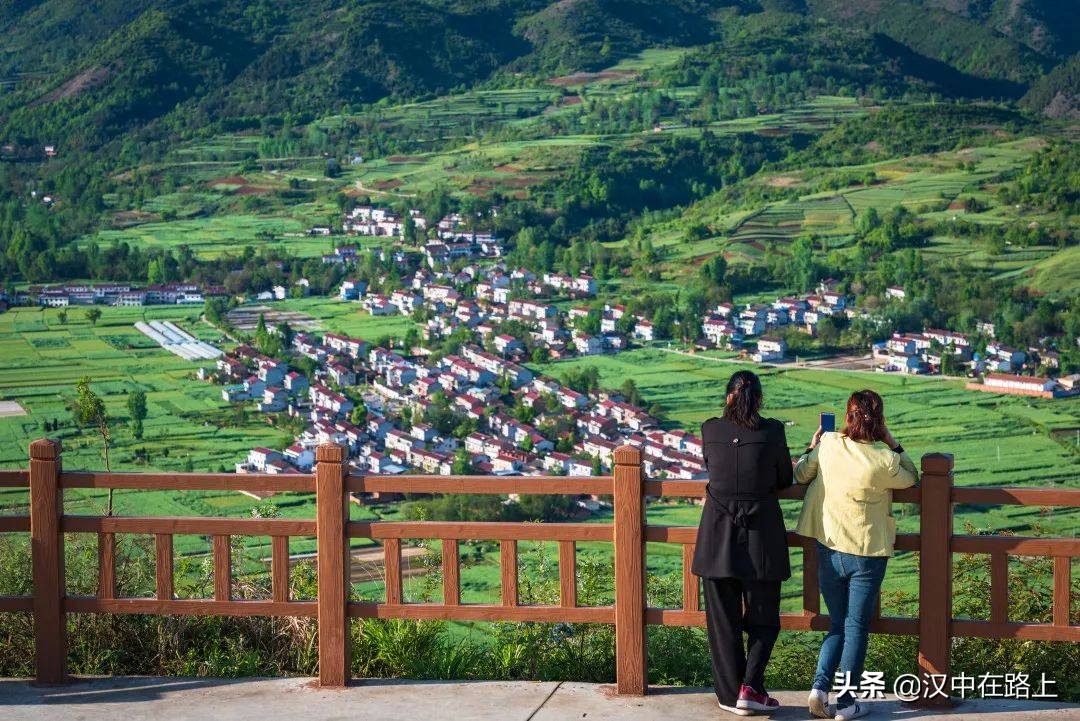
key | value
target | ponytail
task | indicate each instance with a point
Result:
(743, 399)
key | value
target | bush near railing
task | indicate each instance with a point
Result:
(392, 648)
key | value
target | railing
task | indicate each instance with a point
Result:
(331, 483)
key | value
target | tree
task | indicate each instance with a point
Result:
(90, 411)
(462, 463)
(62, 317)
(155, 273)
(802, 268)
(359, 413)
(136, 404)
(93, 315)
(631, 393)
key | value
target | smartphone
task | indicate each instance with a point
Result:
(828, 422)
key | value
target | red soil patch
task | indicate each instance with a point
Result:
(403, 159)
(520, 195)
(230, 180)
(508, 169)
(251, 190)
(582, 78)
(572, 100)
(522, 182)
(127, 218)
(956, 206)
(388, 184)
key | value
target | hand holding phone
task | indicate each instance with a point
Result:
(828, 422)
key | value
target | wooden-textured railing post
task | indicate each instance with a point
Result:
(935, 568)
(333, 560)
(630, 647)
(47, 555)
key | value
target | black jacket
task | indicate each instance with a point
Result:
(742, 532)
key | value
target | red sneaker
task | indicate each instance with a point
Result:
(751, 700)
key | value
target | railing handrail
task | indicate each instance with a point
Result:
(333, 483)
(497, 485)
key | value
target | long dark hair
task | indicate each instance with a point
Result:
(865, 419)
(743, 399)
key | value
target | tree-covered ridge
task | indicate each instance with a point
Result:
(84, 78)
(1057, 94)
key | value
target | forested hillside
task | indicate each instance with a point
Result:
(88, 77)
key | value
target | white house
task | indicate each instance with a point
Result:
(769, 350)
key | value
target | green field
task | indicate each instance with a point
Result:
(188, 420)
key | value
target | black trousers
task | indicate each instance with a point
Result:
(732, 607)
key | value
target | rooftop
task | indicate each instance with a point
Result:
(198, 699)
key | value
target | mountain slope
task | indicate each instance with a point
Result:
(1058, 94)
(179, 66)
(967, 45)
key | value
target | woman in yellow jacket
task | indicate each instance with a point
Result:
(848, 509)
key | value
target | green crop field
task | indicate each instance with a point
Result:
(995, 439)
(211, 236)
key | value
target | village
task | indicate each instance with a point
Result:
(480, 409)
(410, 405)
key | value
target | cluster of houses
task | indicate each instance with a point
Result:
(118, 294)
(928, 351)
(728, 326)
(452, 239)
(566, 432)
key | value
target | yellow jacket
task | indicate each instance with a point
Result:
(848, 506)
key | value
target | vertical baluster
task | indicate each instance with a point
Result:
(451, 573)
(279, 568)
(392, 568)
(567, 574)
(1062, 590)
(163, 553)
(690, 592)
(222, 568)
(106, 566)
(508, 567)
(811, 594)
(999, 588)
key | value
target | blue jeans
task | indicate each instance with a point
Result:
(850, 585)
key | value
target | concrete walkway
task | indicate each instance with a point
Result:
(291, 699)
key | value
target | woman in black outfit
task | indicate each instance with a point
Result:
(741, 553)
